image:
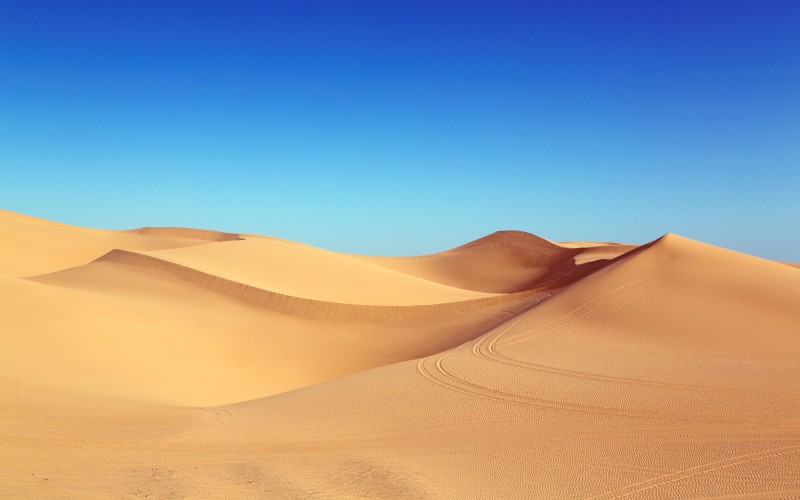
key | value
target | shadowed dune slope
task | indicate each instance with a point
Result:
(591, 252)
(503, 262)
(32, 246)
(671, 373)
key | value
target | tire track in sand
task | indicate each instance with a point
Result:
(695, 471)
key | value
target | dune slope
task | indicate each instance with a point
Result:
(139, 332)
(672, 373)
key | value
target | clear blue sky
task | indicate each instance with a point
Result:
(411, 126)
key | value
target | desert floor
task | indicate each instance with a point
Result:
(186, 363)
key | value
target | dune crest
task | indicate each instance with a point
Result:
(190, 233)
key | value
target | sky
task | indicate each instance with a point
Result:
(409, 127)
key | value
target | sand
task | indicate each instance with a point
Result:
(183, 363)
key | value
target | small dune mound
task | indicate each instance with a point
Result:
(502, 262)
(189, 233)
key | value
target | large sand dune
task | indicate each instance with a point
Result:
(182, 363)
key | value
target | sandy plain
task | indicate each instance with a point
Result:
(187, 363)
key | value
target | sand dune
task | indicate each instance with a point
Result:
(176, 363)
(505, 262)
(226, 312)
(308, 272)
(34, 246)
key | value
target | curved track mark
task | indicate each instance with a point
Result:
(698, 470)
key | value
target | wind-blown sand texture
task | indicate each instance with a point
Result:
(183, 363)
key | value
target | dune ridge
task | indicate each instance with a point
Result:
(307, 308)
(305, 271)
(190, 233)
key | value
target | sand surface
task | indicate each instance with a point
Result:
(185, 363)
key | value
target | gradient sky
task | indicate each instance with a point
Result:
(408, 127)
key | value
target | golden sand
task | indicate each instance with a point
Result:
(184, 363)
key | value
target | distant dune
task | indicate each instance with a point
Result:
(505, 262)
(34, 246)
(187, 363)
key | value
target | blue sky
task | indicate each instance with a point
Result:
(408, 127)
